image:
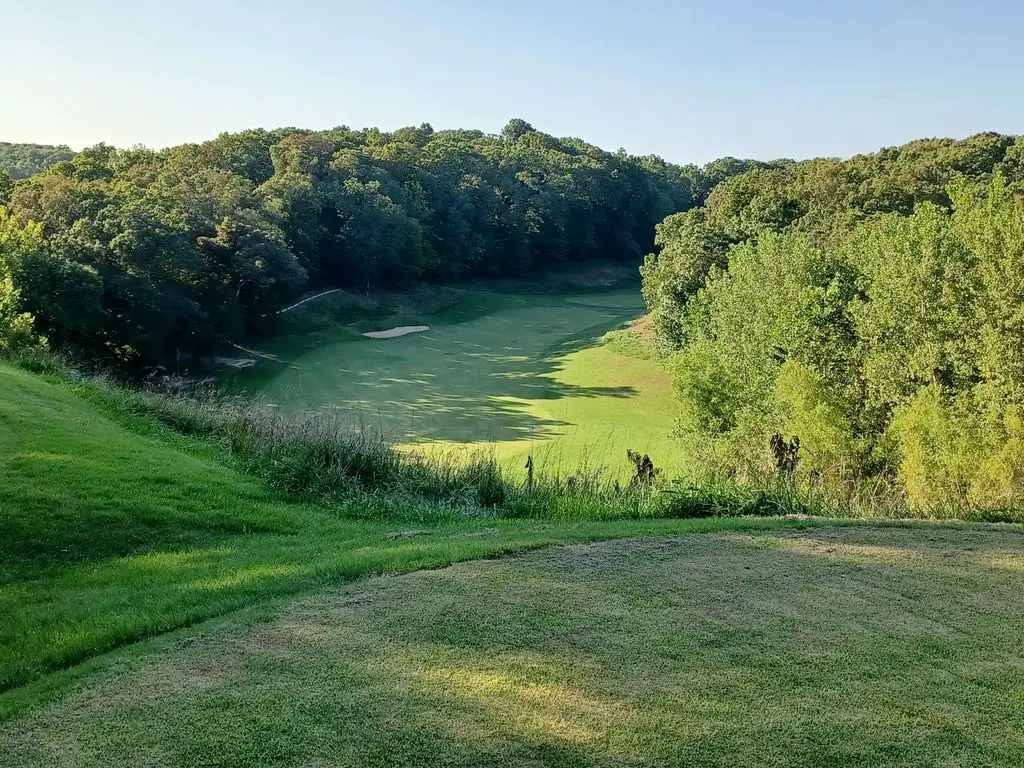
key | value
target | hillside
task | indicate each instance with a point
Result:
(19, 161)
(868, 308)
(148, 256)
(504, 373)
(860, 648)
(116, 529)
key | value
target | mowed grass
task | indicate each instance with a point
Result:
(506, 375)
(827, 647)
(113, 529)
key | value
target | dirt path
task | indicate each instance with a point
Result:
(309, 298)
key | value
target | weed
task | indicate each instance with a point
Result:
(322, 456)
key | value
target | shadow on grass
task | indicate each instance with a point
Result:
(446, 385)
(734, 650)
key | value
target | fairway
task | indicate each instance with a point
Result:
(826, 647)
(113, 529)
(351, 419)
(518, 375)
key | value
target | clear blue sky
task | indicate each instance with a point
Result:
(689, 81)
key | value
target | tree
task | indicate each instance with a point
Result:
(515, 129)
(6, 187)
(889, 344)
(176, 251)
(16, 326)
(20, 161)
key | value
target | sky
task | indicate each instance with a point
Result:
(689, 81)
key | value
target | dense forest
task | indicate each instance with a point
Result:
(873, 308)
(19, 161)
(139, 256)
(870, 307)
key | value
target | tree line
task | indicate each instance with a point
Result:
(138, 256)
(19, 161)
(873, 308)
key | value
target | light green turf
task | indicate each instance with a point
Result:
(516, 375)
(856, 651)
(839, 648)
(112, 529)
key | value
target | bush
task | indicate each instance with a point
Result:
(812, 412)
(17, 331)
(963, 452)
(357, 473)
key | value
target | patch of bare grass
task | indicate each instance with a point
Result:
(852, 647)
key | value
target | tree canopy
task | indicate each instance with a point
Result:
(871, 308)
(19, 161)
(146, 255)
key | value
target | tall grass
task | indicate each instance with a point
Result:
(324, 456)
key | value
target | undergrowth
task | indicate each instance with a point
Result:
(322, 456)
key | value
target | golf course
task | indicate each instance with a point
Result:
(507, 375)
(163, 607)
(348, 419)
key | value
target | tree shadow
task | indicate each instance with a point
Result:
(447, 385)
(655, 652)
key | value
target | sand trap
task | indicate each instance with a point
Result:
(235, 362)
(401, 330)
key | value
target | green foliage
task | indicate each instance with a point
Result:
(823, 198)
(153, 257)
(811, 411)
(937, 452)
(709, 390)
(962, 451)
(690, 249)
(17, 328)
(890, 344)
(19, 161)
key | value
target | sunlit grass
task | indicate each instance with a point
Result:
(854, 647)
(115, 529)
(528, 376)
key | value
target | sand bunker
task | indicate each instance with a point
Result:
(235, 362)
(401, 330)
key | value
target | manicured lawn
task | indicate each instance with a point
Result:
(868, 646)
(160, 607)
(112, 530)
(515, 374)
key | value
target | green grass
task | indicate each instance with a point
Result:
(762, 641)
(116, 529)
(510, 375)
(870, 646)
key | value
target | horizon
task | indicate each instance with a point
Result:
(497, 132)
(682, 81)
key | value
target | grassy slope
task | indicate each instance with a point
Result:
(109, 534)
(829, 647)
(513, 374)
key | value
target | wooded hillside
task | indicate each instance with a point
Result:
(871, 308)
(137, 256)
(19, 161)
